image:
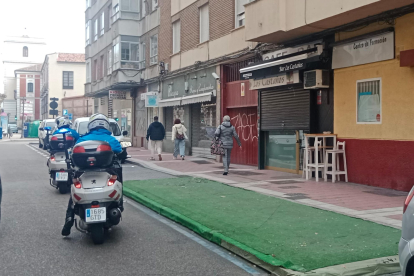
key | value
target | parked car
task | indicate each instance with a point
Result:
(42, 132)
(13, 127)
(81, 126)
(407, 237)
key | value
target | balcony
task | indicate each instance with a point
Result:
(278, 21)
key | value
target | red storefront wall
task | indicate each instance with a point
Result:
(242, 110)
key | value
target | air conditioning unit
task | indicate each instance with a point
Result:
(316, 79)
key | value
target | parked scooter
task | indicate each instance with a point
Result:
(59, 175)
(95, 190)
(124, 155)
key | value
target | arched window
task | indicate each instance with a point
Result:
(25, 51)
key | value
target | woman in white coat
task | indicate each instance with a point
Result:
(178, 137)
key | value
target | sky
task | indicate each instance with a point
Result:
(60, 22)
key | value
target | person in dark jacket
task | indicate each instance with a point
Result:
(225, 132)
(156, 132)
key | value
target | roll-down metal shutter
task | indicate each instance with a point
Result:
(285, 110)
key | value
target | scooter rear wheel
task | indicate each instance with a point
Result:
(64, 189)
(97, 233)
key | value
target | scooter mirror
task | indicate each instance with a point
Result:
(47, 128)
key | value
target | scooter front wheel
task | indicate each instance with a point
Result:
(97, 233)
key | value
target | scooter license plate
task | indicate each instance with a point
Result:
(61, 176)
(95, 215)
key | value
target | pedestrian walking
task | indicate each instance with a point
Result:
(9, 131)
(225, 132)
(156, 132)
(178, 137)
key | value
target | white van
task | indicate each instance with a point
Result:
(42, 132)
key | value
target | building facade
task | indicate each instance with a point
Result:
(195, 39)
(363, 62)
(28, 81)
(119, 54)
(63, 75)
(18, 52)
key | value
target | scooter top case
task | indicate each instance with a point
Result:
(92, 154)
(57, 142)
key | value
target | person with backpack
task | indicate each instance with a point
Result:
(178, 137)
(225, 132)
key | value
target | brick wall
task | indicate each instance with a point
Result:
(165, 32)
(190, 30)
(221, 17)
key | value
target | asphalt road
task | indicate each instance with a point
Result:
(142, 244)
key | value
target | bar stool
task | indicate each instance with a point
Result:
(317, 165)
(336, 171)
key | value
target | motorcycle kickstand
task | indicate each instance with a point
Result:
(77, 228)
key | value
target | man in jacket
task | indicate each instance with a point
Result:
(62, 122)
(98, 129)
(156, 132)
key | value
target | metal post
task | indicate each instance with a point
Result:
(87, 107)
(22, 136)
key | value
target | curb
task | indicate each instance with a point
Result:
(378, 266)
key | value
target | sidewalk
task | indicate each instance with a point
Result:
(374, 204)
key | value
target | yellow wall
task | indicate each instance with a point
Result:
(397, 93)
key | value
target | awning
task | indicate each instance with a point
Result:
(170, 102)
(280, 65)
(198, 98)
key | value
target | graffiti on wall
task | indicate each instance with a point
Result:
(245, 125)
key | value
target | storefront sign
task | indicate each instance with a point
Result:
(292, 50)
(291, 66)
(373, 49)
(198, 82)
(117, 94)
(279, 80)
(151, 99)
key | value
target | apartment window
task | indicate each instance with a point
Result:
(142, 56)
(176, 36)
(116, 53)
(204, 24)
(240, 12)
(154, 5)
(143, 8)
(115, 15)
(25, 51)
(154, 50)
(88, 4)
(130, 5)
(369, 101)
(87, 33)
(67, 79)
(88, 71)
(30, 87)
(95, 30)
(109, 62)
(102, 23)
(102, 71)
(95, 67)
(109, 17)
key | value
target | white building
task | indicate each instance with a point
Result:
(19, 52)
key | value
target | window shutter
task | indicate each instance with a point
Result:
(204, 24)
(176, 36)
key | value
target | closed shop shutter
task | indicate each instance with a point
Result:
(285, 110)
(195, 124)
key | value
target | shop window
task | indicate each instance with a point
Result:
(369, 101)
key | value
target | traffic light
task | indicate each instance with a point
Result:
(15, 117)
(117, 119)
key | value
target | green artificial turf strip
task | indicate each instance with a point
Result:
(280, 232)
